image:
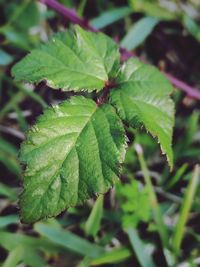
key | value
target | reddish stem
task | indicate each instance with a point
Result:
(125, 54)
(189, 90)
(68, 14)
(108, 86)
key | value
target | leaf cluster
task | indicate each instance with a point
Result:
(75, 149)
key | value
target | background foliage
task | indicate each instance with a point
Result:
(152, 216)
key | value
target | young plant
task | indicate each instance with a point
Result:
(132, 197)
(75, 149)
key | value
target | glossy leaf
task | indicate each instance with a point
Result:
(71, 154)
(142, 97)
(74, 60)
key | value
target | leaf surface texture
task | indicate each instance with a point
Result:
(72, 60)
(72, 153)
(142, 97)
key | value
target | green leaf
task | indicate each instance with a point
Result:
(142, 97)
(74, 60)
(72, 153)
(134, 196)
(139, 32)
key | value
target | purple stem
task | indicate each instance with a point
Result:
(68, 14)
(74, 18)
(189, 90)
(108, 86)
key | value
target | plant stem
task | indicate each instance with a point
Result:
(74, 18)
(185, 209)
(189, 90)
(108, 86)
(68, 14)
(153, 199)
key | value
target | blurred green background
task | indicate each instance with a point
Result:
(151, 218)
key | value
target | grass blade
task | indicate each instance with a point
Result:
(69, 240)
(8, 192)
(113, 256)
(110, 17)
(152, 197)
(14, 257)
(8, 156)
(141, 250)
(177, 176)
(9, 219)
(185, 209)
(92, 225)
(139, 32)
